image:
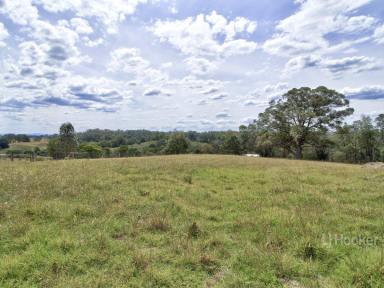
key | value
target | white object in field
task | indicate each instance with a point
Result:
(252, 155)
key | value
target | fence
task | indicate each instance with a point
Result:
(28, 157)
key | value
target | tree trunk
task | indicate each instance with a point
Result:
(299, 152)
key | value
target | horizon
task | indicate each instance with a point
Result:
(166, 65)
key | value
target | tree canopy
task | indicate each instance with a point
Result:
(177, 144)
(300, 113)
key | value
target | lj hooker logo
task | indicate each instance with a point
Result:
(347, 240)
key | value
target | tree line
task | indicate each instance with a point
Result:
(304, 123)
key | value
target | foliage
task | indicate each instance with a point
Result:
(67, 139)
(231, 145)
(17, 138)
(4, 143)
(54, 149)
(177, 144)
(302, 112)
(91, 149)
(360, 141)
(380, 126)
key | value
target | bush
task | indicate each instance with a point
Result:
(231, 145)
(177, 144)
(4, 144)
(92, 149)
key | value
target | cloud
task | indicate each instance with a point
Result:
(207, 35)
(200, 66)
(358, 24)
(10, 105)
(129, 60)
(354, 64)
(306, 31)
(210, 91)
(21, 85)
(21, 12)
(222, 115)
(251, 102)
(75, 91)
(379, 34)
(3, 34)
(219, 96)
(46, 58)
(109, 14)
(275, 88)
(153, 92)
(81, 26)
(365, 93)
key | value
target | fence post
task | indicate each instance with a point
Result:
(12, 156)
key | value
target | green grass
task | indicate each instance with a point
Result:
(26, 146)
(189, 221)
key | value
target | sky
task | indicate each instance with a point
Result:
(181, 64)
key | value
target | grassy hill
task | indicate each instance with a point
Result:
(26, 146)
(190, 221)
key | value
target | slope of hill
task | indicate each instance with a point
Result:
(190, 221)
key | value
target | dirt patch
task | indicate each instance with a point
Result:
(215, 279)
(291, 284)
(376, 165)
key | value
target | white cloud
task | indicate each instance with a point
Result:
(358, 24)
(275, 88)
(153, 92)
(354, 64)
(200, 66)
(205, 86)
(211, 90)
(200, 35)
(306, 30)
(127, 60)
(81, 26)
(92, 43)
(379, 34)
(109, 13)
(75, 91)
(219, 96)
(224, 115)
(370, 92)
(130, 61)
(21, 12)
(3, 34)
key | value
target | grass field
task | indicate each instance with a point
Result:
(190, 221)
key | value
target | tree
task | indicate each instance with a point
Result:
(92, 149)
(231, 145)
(67, 138)
(123, 151)
(248, 137)
(367, 139)
(54, 149)
(177, 144)
(301, 112)
(133, 152)
(380, 125)
(4, 144)
(321, 144)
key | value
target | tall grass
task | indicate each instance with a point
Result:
(190, 221)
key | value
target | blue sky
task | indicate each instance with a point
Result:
(186, 65)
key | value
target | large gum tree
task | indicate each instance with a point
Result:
(301, 113)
